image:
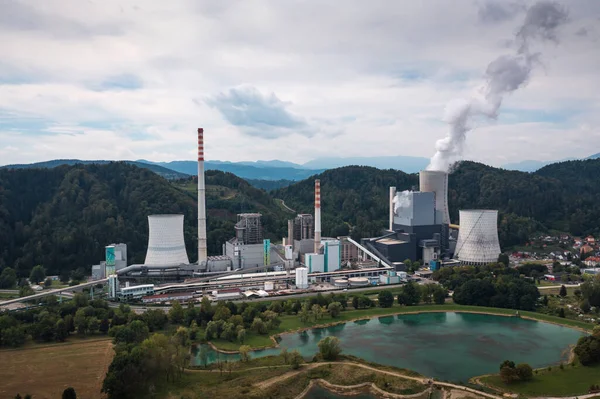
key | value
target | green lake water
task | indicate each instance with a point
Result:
(444, 346)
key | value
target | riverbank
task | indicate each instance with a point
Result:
(292, 324)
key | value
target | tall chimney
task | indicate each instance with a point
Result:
(202, 253)
(392, 195)
(291, 233)
(317, 215)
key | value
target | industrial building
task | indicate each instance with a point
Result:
(418, 223)
(115, 259)
(478, 237)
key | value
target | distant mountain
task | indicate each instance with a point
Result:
(526, 166)
(240, 170)
(273, 164)
(595, 156)
(168, 174)
(404, 163)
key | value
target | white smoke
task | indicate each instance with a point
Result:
(503, 76)
(402, 200)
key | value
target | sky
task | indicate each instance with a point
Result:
(292, 80)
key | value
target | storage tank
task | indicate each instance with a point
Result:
(358, 281)
(166, 245)
(269, 286)
(302, 277)
(435, 181)
(478, 237)
(340, 282)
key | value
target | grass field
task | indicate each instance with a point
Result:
(45, 371)
(292, 322)
(570, 381)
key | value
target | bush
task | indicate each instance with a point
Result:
(386, 299)
(329, 348)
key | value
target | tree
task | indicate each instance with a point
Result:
(563, 291)
(329, 348)
(412, 292)
(503, 258)
(386, 299)
(176, 313)
(259, 326)
(524, 372)
(403, 298)
(561, 312)
(38, 273)
(439, 295)
(48, 283)
(334, 309)
(241, 335)
(245, 353)
(69, 393)
(296, 359)
(508, 375)
(316, 312)
(8, 278)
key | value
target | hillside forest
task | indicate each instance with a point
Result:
(63, 217)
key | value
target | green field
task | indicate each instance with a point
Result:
(292, 322)
(569, 381)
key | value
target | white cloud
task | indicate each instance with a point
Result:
(360, 79)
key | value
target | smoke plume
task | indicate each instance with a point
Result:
(402, 200)
(503, 75)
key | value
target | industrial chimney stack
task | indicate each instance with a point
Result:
(392, 196)
(202, 253)
(317, 215)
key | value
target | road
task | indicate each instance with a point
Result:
(282, 202)
(51, 292)
(549, 287)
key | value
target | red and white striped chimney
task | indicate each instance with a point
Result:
(202, 252)
(317, 215)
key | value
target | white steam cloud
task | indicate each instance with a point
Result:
(402, 200)
(503, 76)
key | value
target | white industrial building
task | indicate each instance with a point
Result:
(302, 278)
(166, 245)
(135, 292)
(478, 237)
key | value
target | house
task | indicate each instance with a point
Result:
(590, 240)
(585, 249)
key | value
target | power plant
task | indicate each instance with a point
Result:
(419, 229)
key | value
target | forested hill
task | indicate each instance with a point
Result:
(556, 197)
(351, 197)
(63, 217)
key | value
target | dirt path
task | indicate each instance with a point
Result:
(425, 381)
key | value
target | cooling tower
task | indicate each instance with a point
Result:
(166, 245)
(478, 237)
(433, 181)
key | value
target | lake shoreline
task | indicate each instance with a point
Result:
(367, 317)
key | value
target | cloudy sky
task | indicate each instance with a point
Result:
(291, 80)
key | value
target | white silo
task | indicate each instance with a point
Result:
(166, 245)
(478, 237)
(302, 277)
(434, 181)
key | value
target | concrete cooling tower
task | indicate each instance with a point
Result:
(478, 237)
(166, 245)
(433, 181)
